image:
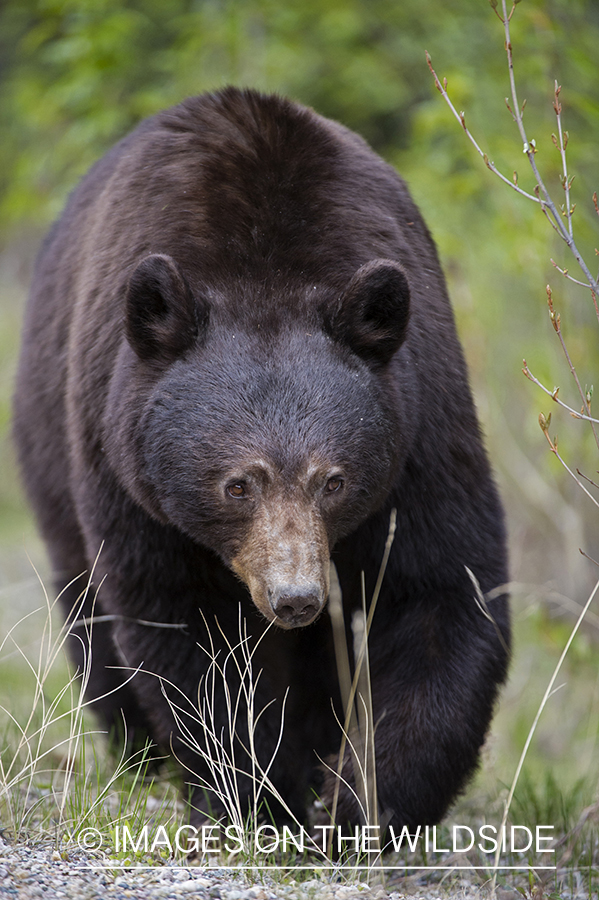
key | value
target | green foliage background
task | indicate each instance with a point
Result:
(75, 75)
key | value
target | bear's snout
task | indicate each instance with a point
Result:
(284, 561)
(296, 605)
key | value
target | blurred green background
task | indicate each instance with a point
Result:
(75, 75)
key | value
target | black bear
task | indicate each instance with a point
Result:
(238, 357)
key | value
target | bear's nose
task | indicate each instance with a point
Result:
(296, 605)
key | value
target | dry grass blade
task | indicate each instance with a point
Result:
(351, 726)
(218, 747)
(533, 727)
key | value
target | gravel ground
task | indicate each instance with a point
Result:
(33, 872)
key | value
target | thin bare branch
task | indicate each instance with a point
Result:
(566, 274)
(590, 558)
(442, 88)
(586, 478)
(554, 396)
(556, 322)
(529, 146)
(563, 143)
(544, 423)
(530, 150)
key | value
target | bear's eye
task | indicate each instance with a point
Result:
(334, 484)
(237, 490)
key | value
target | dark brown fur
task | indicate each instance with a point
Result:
(238, 356)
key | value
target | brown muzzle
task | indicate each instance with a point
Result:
(284, 561)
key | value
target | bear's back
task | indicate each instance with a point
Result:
(239, 184)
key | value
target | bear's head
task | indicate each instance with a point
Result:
(264, 437)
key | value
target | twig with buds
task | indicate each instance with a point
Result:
(561, 221)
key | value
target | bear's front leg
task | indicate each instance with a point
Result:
(434, 672)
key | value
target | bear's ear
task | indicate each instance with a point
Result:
(373, 312)
(162, 317)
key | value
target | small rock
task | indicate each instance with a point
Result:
(181, 875)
